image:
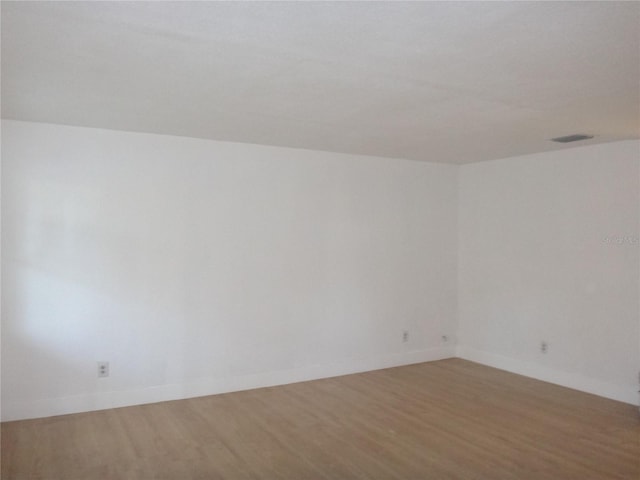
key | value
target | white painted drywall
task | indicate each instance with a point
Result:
(196, 266)
(549, 250)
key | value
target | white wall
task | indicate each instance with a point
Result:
(196, 267)
(549, 250)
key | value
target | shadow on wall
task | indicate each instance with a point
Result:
(70, 286)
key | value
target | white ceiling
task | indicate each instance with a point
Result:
(437, 81)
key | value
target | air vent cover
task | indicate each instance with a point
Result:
(571, 138)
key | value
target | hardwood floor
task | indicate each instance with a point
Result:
(450, 419)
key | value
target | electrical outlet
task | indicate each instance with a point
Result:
(103, 369)
(544, 347)
(405, 336)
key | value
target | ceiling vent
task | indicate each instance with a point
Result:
(571, 138)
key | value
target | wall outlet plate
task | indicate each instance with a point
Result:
(103, 369)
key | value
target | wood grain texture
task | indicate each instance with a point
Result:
(450, 419)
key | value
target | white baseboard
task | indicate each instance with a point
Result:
(565, 379)
(210, 386)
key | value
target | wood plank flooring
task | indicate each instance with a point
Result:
(450, 419)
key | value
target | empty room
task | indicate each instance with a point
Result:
(320, 240)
